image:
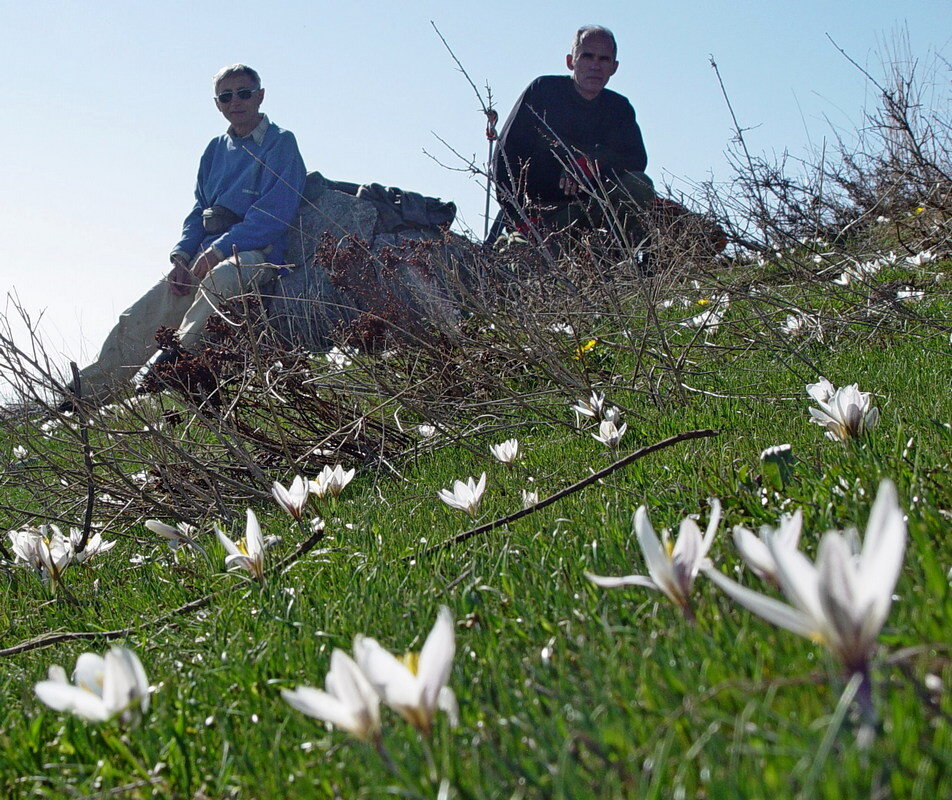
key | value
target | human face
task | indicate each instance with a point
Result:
(242, 114)
(592, 64)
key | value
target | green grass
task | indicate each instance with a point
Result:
(565, 690)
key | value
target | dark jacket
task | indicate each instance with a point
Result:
(549, 125)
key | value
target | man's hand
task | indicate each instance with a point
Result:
(583, 166)
(205, 263)
(568, 184)
(180, 278)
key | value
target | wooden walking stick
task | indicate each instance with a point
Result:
(492, 117)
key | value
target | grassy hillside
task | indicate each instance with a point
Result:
(565, 689)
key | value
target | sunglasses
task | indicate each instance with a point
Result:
(243, 94)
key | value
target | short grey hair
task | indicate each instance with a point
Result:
(594, 30)
(237, 69)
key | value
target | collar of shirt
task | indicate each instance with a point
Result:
(257, 134)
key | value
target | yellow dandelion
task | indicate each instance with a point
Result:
(589, 345)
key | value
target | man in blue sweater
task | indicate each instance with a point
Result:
(569, 142)
(249, 188)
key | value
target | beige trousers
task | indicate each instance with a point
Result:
(132, 341)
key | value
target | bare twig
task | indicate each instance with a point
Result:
(87, 460)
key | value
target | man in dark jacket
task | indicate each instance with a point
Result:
(571, 152)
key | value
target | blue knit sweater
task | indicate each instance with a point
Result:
(261, 182)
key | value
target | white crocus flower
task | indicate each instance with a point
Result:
(756, 551)
(45, 550)
(608, 434)
(845, 412)
(426, 431)
(349, 702)
(529, 498)
(777, 466)
(709, 320)
(341, 356)
(506, 452)
(294, 498)
(921, 259)
(777, 452)
(465, 496)
(247, 553)
(182, 535)
(55, 551)
(795, 325)
(102, 688)
(331, 481)
(25, 547)
(890, 259)
(591, 407)
(672, 568)
(843, 600)
(95, 545)
(414, 686)
(910, 293)
(821, 391)
(20, 452)
(844, 278)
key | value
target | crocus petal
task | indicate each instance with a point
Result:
(253, 539)
(838, 598)
(323, 706)
(712, 523)
(57, 673)
(239, 560)
(162, 529)
(686, 555)
(885, 539)
(446, 702)
(821, 391)
(506, 452)
(66, 697)
(125, 681)
(90, 672)
(768, 608)
(436, 657)
(346, 681)
(788, 534)
(755, 553)
(659, 565)
(607, 582)
(395, 684)
(798, 579)
(230, 547)
(883, 550)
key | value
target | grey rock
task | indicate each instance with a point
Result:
(327, 210)
(410, 298)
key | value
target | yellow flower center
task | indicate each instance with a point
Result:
(411, 661)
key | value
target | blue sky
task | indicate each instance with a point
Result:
(109, 107)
